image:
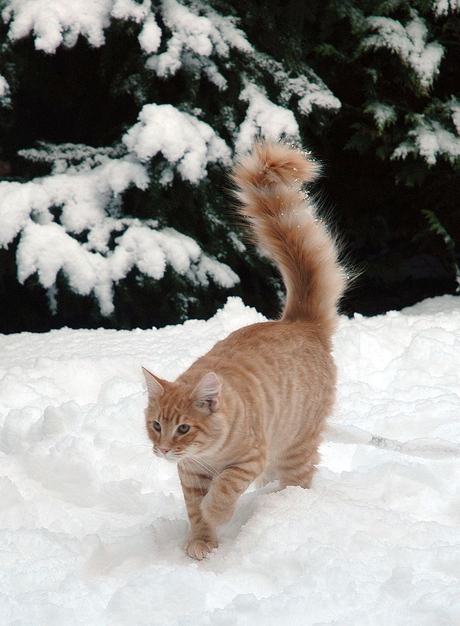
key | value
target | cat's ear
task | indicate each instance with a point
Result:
(207, 394)
(155, 386)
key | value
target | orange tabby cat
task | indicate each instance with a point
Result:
(255, 405)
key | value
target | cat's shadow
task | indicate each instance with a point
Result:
(154, 544)
(160, 543)
(246, 507)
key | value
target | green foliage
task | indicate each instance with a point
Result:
(394, 66)
(437, 228)
(370, 86)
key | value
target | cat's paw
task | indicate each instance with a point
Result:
(198, 549)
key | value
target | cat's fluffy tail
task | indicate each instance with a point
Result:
(269, 184)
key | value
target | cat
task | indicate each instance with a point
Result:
(255, 405)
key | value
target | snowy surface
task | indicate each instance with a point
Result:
(92, 523)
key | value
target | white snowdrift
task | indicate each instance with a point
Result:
(91, 524)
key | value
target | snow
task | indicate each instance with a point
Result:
(310, 93)
(444, 7)
(60, 22)
(410, 43)
(384, 114)
(69, 220)
(454, 105)
(132, 9)
(195, 36)
(56, 22)
(46, 249)
(303, 91)
(184, 140)
(4, 91)
(150, 35)
(263, 117)
(430, 139)
(86, 185)
(92, 523)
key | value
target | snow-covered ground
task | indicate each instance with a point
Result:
(92, 524)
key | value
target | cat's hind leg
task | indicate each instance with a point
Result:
(298, 465)
(268, 476)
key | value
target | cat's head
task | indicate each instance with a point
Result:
(183, 420)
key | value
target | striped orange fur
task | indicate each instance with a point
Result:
(255, 405)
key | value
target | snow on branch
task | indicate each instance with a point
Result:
(310, 94)
(430, 139)
(454, 105)
(443, 7)
(384, 114)
(62, 156)
(409, 43)
(130, 9)
(150, 35)
(196, 35)
(263, 117)
(4, 91)
(185, 141)
(307, 87)
(48, 212)
(56, 22)
(70, 220)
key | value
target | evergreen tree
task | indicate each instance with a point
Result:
(128, 115)
(391, 151)
(119, 120)
(405, 60)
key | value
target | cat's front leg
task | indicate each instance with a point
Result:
(202, 537)
(218, 506)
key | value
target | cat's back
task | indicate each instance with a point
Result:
(276, 338)
(275, 375)
(271, 352)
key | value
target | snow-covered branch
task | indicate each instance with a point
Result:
(186, 142)
(73, 220)
(430, 138)
(87, 200)
(410, 43)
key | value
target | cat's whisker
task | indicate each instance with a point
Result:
(136, 456)
(208, 467)
(147, 469)
(189, 466)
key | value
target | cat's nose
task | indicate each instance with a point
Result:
(164, 450)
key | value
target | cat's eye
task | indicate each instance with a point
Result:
(183, 428)
(156, 426)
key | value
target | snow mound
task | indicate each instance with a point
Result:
(92, 524)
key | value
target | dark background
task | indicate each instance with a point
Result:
(399, 221)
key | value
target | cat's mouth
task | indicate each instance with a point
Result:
(167, 456)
